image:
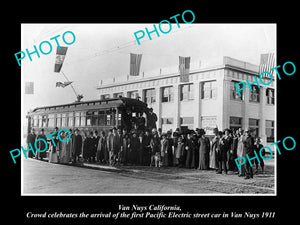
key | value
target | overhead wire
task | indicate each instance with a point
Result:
(123, 46)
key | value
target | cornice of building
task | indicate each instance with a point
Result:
(227, 64)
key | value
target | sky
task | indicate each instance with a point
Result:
(101, 52)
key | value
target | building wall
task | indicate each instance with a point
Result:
(206, 113)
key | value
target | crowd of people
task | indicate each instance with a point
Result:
(190, 149)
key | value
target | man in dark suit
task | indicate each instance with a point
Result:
(115, 146)
(30, 140)
(151, 119)
(248, 150)
(41, 145)
(77, 145)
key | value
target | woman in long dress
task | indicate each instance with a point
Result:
(65, 148)
(240, 150)
(213, 162)
(204, 147)
(54, 148)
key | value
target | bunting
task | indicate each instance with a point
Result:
(135, 64)
(267, 62)
(63, 84)
(60, 57)
(184, 68)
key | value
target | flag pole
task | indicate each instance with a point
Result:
(70, 85)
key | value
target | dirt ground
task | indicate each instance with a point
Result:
(40, 177)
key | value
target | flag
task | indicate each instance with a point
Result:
(267, 62)
(29, 89)
(184, 68)
(60, 57)
(135, 64)
(63, 84)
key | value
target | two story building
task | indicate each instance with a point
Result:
(207, 101)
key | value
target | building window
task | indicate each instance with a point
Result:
(254, 95)
(235, 122)
(187, 122)
(166, 120)
(149, 95)
(254, 125)
(270, 130)
(270, 96)
(186, 92)
(132, 94)
(234, 95)
(117, 95)
(167, 94)
(166, 124)
(208, 90)
(106, 96)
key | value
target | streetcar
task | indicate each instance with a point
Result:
(100, 115)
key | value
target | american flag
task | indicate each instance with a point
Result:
(60, 57)
(135, 64)
(184, 68)
(267, 62)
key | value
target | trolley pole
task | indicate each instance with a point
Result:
(79, 97)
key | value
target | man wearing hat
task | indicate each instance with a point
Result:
(248, 150)
(41, 145)
(151, 119)
(30, 140)
(77, 145)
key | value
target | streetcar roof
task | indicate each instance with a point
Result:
(103, 103)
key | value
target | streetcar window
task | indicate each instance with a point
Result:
(119, 118)
(92, 118)
(71, 119)
(95, 119)
(77, 118)
(31, 121)
(102, 118)
(64, 120)
(82, 119)
(88, 118)
(108, 120)
(51, 120)
(44, 121)
(58, 120)
(35, 121)
(40, 121)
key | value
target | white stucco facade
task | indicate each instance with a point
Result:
(210, 103)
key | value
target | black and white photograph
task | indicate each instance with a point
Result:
(145, 113)
(144, 109)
